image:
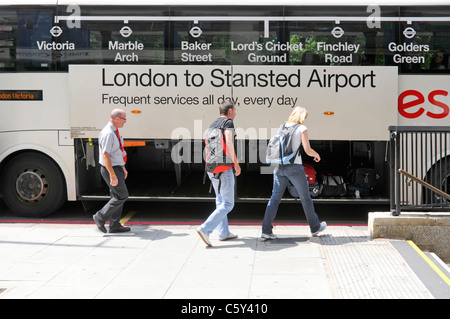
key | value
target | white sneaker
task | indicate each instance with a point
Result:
(268, 236)
(323, 225)
(204, 237)
(230, 236)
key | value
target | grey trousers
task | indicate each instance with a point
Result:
(112, 211)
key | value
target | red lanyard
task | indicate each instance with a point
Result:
(122, 148)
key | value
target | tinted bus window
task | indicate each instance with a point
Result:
(425, 45)
(239, 36)
(102, 36)
(25, 38)
(340, 36)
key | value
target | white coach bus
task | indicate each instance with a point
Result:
(357, 67)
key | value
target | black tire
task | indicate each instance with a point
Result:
(439, 177)
(33, 185)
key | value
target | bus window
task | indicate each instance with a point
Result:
(236, 41)
(112, 40)
(24, 39)
(339, 36)
(327, 43)
(425, 45)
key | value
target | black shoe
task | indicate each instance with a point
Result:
(100, 226)
(119, 230)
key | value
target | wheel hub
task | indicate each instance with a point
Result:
(31, 185)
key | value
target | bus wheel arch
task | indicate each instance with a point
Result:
(33, 185)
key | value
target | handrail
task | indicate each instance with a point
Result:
(430, 187)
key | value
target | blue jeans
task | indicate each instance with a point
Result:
(281, 176)
(224, 204)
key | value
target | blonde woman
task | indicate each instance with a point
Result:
(296, 174)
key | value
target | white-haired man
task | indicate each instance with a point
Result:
(113, 159)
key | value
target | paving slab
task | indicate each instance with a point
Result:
(59, 261)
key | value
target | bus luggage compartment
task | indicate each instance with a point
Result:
(154, 174)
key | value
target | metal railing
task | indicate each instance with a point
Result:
(419, 168)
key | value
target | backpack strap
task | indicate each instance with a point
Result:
(216, 175)
(222, 125)
(294, 127)
(222, 129)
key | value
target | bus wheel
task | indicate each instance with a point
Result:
(33, 185)
(439, 177)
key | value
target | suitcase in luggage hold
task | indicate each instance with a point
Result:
(333, 186)
(310, 173)
(363, 178)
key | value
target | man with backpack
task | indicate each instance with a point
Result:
(222, 166)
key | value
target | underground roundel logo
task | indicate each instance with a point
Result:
(56, 31)
(195, 32)
(337, 32)
(409, 33)
(126, 31)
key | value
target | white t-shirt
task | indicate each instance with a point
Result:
(297, 140)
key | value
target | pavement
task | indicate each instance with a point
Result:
(59, 261)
